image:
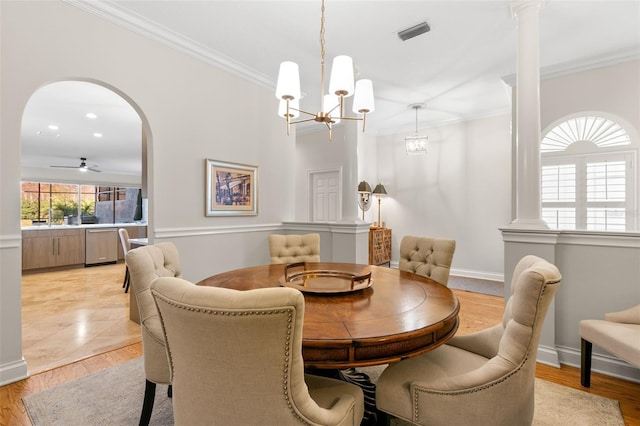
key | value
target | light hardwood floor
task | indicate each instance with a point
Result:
(93, 334)
(71, 314)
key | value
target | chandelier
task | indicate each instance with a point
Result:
(341, 86)
(416, 144)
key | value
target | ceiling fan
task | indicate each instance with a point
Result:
(82, 167)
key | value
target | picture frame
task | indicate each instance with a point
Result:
(231, 189)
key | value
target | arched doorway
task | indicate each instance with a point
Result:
(67, 124)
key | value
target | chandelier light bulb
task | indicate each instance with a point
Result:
(294, 107)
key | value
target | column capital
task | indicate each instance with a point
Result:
(522, 5)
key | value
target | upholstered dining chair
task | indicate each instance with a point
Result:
(236, 359)
(145, 265)
(484, 378)
(618, 334)
(294, 248)
(126, 246)
(427, 256)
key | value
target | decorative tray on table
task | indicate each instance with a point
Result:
(323, 281)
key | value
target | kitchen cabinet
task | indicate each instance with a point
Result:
(52, 247)
(379, 246)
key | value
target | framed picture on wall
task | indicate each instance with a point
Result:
(232, 189)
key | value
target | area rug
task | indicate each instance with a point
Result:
(114, 397)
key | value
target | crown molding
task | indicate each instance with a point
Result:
(587, 64)
(136, 23)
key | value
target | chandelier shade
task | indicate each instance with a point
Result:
(288, 86)
(363, 100)
(341, 82)
(341, 85)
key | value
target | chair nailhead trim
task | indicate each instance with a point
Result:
(287, 347)
(488, 385)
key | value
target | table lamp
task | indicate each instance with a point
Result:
(364, 196)
(379, 190)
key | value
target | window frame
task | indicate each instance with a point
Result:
(580, 153)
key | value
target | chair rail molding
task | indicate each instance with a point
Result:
(600, 273)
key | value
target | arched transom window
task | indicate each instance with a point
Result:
(588, 175)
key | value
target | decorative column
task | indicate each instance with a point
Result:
(528, 210)
(528, 233)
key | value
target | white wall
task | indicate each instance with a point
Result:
(460, 190)
(190, 111)
(613, 89)
(315, 152)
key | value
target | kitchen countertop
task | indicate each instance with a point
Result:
(45, 226)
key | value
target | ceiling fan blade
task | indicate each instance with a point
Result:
(83, 166)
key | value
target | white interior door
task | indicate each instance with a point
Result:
(325, 196)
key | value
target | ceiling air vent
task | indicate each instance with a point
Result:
(414, 31)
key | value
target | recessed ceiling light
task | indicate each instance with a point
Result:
(97, 135)
(91, 115)
(52, 127)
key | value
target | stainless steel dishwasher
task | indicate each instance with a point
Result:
(101, 246)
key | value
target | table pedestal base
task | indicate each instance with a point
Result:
(350, 375)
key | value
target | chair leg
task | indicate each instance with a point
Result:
(147, 405)
(127, 279)
(585, 363)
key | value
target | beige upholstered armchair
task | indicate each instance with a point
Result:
(427, 256)
(618, 334)
(294, 248)
(145, 265)
(236, 359)
(484, 378)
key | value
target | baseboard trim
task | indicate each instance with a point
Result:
(481, 275)
(548, 355)
(600, 363)
(13, 372)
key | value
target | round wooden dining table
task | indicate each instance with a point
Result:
(399, 315)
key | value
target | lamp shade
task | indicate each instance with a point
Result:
(332, 107)
(294, 106)
(364, 186)
(416, 144)
(363, 99)
(342, 76)
(380, 190)
(288, 85)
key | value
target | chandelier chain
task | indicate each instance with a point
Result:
(322, 53)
